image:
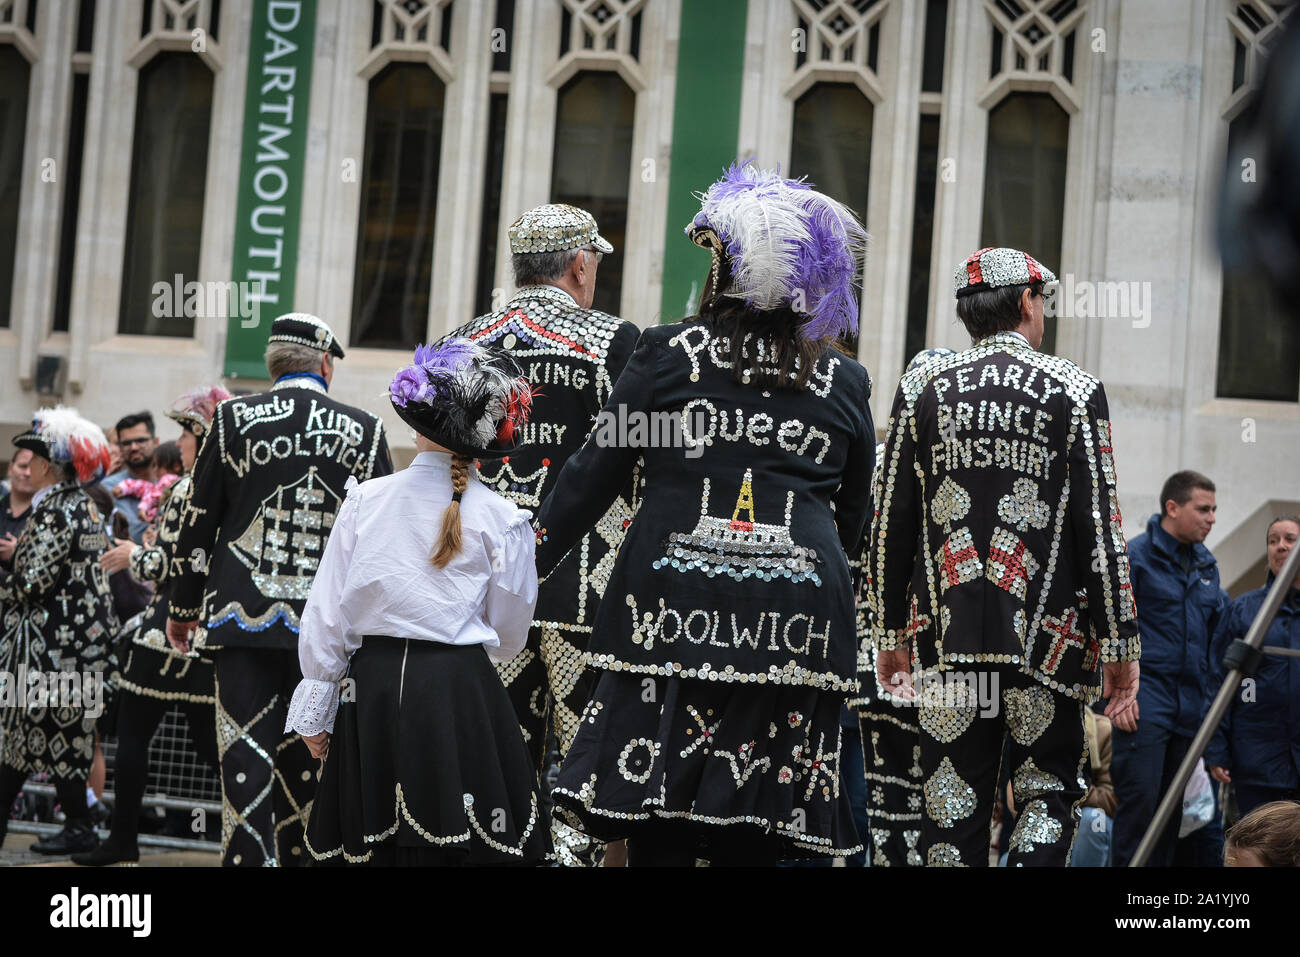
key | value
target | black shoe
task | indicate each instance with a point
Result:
(99, 814)
(107, 854)
(76, 836)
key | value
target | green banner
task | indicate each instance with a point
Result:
(274, 146)
(706, 125)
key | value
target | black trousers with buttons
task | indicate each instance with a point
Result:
(268, 777)
(963, 736)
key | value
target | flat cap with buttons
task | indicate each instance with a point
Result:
(997, 266)
(553, 227)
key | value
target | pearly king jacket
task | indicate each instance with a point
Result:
(267, 484)
(56, 609)
(573, 357)
(734, 567)
(998, 537)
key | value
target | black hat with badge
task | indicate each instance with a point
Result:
(304, 329)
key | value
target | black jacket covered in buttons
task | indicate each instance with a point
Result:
(267, 483)
(734, 567)
(56, 602)
(56, 615)
(998, 537)
(572, 356)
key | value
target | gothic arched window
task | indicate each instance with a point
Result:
(1259, 342)
(831, 142)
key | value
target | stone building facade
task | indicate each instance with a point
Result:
(363, 158)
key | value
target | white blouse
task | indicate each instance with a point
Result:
(375, 578)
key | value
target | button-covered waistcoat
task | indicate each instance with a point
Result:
(998, 535)
(572, 357)
(734, 567)
(267, 484)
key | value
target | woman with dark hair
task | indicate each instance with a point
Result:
(57, 626)
(155, 677)
(725, 643)
(1257, 746)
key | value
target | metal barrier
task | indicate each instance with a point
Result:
(178, 780)
(145, 840)
(174, 768)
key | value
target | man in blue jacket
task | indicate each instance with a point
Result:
(1176, 585)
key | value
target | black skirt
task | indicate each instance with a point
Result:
(426, 764)
(763, 758)
(158, 672)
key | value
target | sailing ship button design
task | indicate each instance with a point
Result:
(284, 543)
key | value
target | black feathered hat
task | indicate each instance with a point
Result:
(466, 397)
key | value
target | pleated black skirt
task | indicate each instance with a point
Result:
(762, 759)
(427, 765)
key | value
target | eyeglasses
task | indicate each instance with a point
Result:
(595, 252)
(127, 443)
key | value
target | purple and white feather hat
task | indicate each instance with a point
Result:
(783, 244)
(469, 398)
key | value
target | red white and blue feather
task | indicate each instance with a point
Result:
(71, 439)
(475, 395)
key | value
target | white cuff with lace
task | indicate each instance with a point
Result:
(313, 707)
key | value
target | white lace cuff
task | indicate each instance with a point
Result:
(313, 707)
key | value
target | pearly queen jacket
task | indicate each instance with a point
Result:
(572, 356)
(734, 567)
(267, 483)
(998, 536)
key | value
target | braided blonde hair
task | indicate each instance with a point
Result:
(449, 544)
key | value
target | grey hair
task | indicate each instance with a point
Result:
(285, 357)
(63, 471)
(533, 268)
